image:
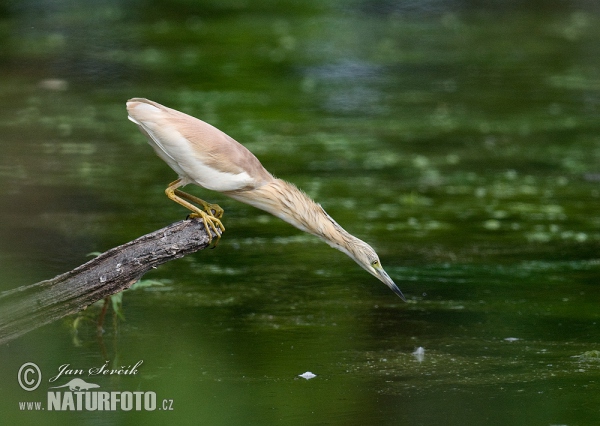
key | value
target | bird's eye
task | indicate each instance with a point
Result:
(375, 263)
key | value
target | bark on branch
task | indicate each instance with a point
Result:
(26, 308)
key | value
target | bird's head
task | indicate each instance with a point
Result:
(365, 256)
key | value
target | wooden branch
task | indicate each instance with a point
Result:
(26, 308)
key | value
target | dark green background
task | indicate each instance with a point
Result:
(461, 139)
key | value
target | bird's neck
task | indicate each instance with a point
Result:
(287, 202)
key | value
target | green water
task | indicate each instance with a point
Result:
(462, 142)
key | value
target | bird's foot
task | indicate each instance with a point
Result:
(210, 213)
(211, 223)
(213, 210)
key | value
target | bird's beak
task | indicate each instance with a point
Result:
(385, 278)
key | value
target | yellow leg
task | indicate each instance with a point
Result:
(212, 209)
(211, 221)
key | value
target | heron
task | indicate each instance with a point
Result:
(203, 155)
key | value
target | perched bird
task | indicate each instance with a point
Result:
(203, 155)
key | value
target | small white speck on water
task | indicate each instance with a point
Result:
(511, 339)
(308, 375)
(419, 354)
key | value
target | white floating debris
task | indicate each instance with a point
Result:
(419, 354)
(511, 339)
(308, 375)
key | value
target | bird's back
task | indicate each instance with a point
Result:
(197, 151)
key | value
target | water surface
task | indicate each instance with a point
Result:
(462, 142)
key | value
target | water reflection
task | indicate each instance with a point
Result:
(348, 87)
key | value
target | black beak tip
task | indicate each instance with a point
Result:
(396, 290)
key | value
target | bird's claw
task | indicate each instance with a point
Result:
(214, 210)
(211, 224)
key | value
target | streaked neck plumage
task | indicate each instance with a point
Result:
(287, 202)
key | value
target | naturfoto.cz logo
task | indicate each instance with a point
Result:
(79, 395)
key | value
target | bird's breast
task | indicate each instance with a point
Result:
(211, 178)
